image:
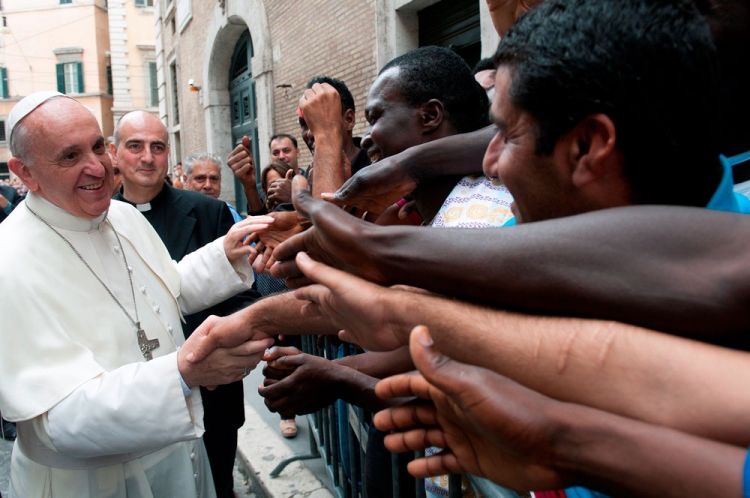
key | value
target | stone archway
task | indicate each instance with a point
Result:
(225, 29)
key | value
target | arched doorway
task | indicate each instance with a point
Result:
(243, 107)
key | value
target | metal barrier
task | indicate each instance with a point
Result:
(338, 434)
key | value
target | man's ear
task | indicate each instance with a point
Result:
(591, 148)
(432, 114)
(349, 119)
(113, 153)
(23, 172)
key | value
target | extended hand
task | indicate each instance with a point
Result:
(358, 307)
(489, 425)
(376, 187)
(242, 164)
(234, 247)
(225, 332)
(285, 225)
(222, 365)
(298, 383)
(336, 238)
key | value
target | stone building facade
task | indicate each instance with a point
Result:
(233, 67)
(100, 52)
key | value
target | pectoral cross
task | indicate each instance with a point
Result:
(145, 344)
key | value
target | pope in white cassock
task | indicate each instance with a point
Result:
(92, 363)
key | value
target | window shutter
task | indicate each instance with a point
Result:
(4, 77)
(61, 78)
(80, 76)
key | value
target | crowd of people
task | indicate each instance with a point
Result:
(541, 262)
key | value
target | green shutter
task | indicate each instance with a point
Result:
(4, 77)
(61, 78)
(80, 76)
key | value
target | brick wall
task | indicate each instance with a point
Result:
(332, 38)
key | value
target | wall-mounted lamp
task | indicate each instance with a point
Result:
(196, 88)
(5, 29)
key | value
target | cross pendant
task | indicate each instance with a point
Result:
(145, 344)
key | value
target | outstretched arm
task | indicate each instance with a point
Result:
(380, 185)
(493, 427)
(623, 369)
(681, 270)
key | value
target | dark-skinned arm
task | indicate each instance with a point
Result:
(638, 373)
(681, 270)
(299, 383)
(380, 185)
(493, 427)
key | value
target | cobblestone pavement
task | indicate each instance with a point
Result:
(242, 486)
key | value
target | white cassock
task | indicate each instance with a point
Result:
(94, 418)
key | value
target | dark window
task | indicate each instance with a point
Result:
(453, 24)
(2, 131)
(175, 95)
(109, 79)
(144, 3)
(65, 1)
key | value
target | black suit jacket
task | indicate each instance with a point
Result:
(186, 221)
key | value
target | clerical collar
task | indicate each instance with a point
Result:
(60, 218)
(153, 203)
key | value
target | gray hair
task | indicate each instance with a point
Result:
(20, 143)
(200, 157)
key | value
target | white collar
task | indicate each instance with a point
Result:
(60, 218)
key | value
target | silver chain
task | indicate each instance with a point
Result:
(135, 322)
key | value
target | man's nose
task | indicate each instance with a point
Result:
(366, 140)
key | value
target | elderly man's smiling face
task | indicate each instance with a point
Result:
(70, 166)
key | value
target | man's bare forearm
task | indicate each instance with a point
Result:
(681, 270)
(380, 364)
(280, 314)
(629, 458)
(454, 155)
(615, 367)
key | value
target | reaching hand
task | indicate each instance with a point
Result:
(225, 332)
(336, 238)
(280, 191)
(242, 164)
(285, 225)
(222, 365)
(358, 307)
(489, 425)
(298, 383)
(234, 247)
(375, 188)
